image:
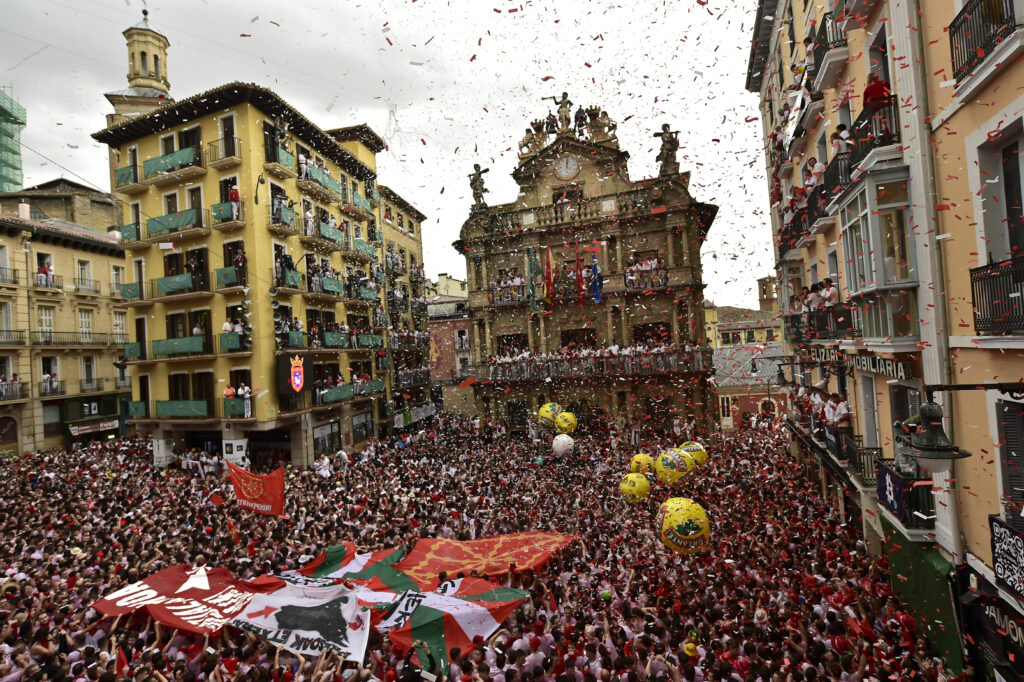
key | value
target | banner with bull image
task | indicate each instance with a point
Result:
(308, 620)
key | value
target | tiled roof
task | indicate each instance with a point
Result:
(61, 228)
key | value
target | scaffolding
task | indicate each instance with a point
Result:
(12, 121)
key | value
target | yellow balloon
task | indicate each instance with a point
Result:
(642, 463)
(670, 467)
(634, 487)
(684, 526)
(688, 460)
(547, 413)
(697, 451)
(565, 422)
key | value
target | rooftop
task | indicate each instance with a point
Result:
(361, 132)
(62, 229)
(393, 196)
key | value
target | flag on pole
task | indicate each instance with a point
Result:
(579, 277)
(532, 270)
(595, 279)
(549, 282)
(262, 494)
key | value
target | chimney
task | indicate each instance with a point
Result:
(24, 210)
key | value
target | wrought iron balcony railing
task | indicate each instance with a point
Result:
(977, 30)
(998, 290)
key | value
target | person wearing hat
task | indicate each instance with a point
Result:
(236, 202)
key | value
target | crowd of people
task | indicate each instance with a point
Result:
(591, 359)
(786, 592)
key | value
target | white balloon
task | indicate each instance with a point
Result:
(562, 444)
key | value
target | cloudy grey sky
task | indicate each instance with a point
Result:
(445, 83)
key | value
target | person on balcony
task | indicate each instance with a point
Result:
(245, 393)
(229, 392)
(309, 220)
(228, 327)
(829, 300)
(197, 330)
(877, 92)
(813, 304)
(303, 166)
(236, 201)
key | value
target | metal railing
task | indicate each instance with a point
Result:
(841, 321)
(8, 276)
(225, 212)
(91, 385)
(406, 340)
(87, 286)
(79, 338)
(860, 458)
(837, 175)
(52, 387)
(506, 296)
(642, 364)
(123, 383)
(877, 126)
(14, 390)
(643, 280)
(176, 285)
(288, 278)
(224, 148)
(395, 303)
(12, 337)
(829, 36)
(419, 307)
(49, 281)
(168, 163)
(909, 498)
(166, 226)
(182, 346)
(127, 175)
(413, 377)
(979, 27)
(997, 290)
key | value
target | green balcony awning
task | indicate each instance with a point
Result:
(122, 176)
(130, 233)
(136, 409)
(293, 279)
(363, 247)
(129, 290)
(234, 407)
(285, 158)
(375, 386)
(333, 285)
(168, 285)
(169, 162)
(230, 341)
(329, 232)
(166, 409)
(133, 351)
(338, 393)
(172, 222)
(368, 294)
(385, 363)
(227, 276)
(362, 202)
(222, 211)
(371, 341)
(186, 344)
(335, 340)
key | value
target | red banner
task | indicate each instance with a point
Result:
(491, 556)
(200, 599)
(262, 494)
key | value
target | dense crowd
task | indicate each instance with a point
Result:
(786, 592)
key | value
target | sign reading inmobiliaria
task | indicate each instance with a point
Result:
(262, 494)
(199, 599)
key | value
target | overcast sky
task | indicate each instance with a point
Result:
(445, 83)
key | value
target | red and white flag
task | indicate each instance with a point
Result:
(200, 599)
(263, 494)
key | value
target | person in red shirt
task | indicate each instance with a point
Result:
(876, 92)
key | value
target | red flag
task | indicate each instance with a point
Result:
(549, 282)
(467, 382)
(216, 499)
(122, 661)
(263, 494)
(579, 277)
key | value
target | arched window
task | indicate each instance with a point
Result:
(156, 66)
(145, 65)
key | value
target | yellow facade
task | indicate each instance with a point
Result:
(60, 335)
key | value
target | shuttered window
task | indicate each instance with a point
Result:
(1011, 457)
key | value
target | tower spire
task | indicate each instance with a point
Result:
(148, 87)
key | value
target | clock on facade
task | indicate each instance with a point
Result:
(567, 167)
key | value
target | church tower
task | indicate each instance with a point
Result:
(148, 87)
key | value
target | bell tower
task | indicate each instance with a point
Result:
(148, 87)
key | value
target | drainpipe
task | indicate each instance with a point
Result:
(937, 263)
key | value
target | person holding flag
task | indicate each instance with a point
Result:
(595, 280)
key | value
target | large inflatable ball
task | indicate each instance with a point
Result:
(562, 444)
(565, 422)
(670, 467)
(547, 413)
(689, 462)
(642, 463)
(634, 487)
(683, 526)
(697, 451)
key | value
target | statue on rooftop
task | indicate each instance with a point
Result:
(476, 184)
(669, 147)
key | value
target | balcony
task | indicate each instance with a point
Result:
(224, 153)
(292, 404)
(369, 341)
(861, 460)
(369, 387)
(398, 305)
(12, 337)
(174, 168)
(291, 341)
(231, 278)
(123, 383)
(49, 283)
(9, 277)
(190, 223)
(842, 321)
(325, 397)
(358, 206)
(319, 184)
(373, 194)
(830, 53)
(416, 276)
(233, 342)
(977, 31)
(282, 165)
(334, 340)
(500, 297)
(224, 217)
(94, 385)
(365, 295)
(65, 339)
(14, 390)
(837, 176)
(633, 204)
(395, 264)
(283, 221)
(877, 126)
(131, 237)
(87, 286)
(52, 387)
(182, 348)
(998, 290)
(287, 281)
(413, 377)
(128, 180)
(909, 497)
(361, 251)
(642, 281)
(324, 290)
(185, 410)
(419, 308)
(235, 409)
(180, 287)
(133, 351)
(639, 365)
(792, 235)
(323, 237)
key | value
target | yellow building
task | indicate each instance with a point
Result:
(580, 219)
(447, 285)
(893, 150)
(62, 328)
(254, 266)
(731, 326)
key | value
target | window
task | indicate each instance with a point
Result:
(362, 426)
(85, 325)
(770, 334)
(167, 143)
(85, 274)
(5, 315)
(145, 64)
(725, 405)
(461, 339)
(889, 315)
(412, 227)
(856, 246)
(89, 368)
(120, 327)
(401, 221)
(750, 336)
(156, 66)
(116, 280)
(891, 199)
(46, 318)
(1001, 180)
(1011, 460)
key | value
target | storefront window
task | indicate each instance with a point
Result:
(362, 426)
